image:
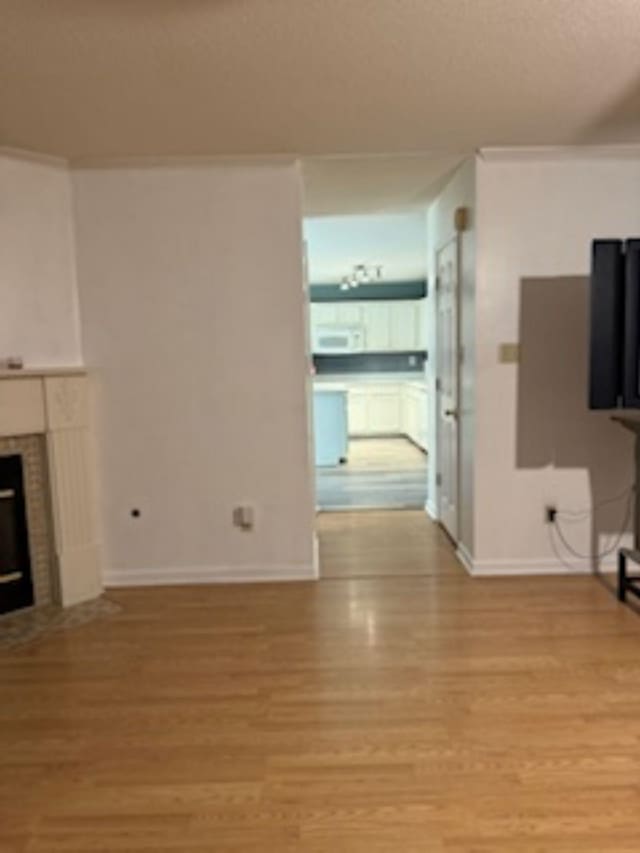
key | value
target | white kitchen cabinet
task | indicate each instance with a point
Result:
(357, 408)
(336, 314)
(385, 412)
(377, 327)
(409, 414)
(388, 408)
(414, 414)
(349, 314)
(323, 314)
(388, 326)
(375, 409)
(403, 326)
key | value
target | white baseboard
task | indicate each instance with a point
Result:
(316, 556)
(432, 510)
(183, 575)
(463, 555)
(531, 568)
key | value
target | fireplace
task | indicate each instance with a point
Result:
(16, 582)
(50, 549)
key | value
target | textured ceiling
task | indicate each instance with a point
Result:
(119, 78)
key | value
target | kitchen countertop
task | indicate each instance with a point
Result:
(371, 378)
(327, 387)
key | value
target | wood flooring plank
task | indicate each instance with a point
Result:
(396, 705)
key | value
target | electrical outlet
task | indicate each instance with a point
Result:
(550, 513)
(243, 517)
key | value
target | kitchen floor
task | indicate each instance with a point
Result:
(380, 473)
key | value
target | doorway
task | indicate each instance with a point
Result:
(367, 284)
(377, 346)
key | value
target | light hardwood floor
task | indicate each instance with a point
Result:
(401, 713)
(381, 472)
(379, 543)
(385, 454)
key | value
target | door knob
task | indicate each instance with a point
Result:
(451, 413)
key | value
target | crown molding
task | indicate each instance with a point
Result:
(182, 162)
(555, 153)
(33, 157)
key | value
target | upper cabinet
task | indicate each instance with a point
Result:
(403, 326)
(377, 326)
(387, 326)
(324, 314)
(350, 313)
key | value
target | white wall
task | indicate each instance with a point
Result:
(192, 309)
(335, 244)
(39, 317)
(536, 442)
(460, 191)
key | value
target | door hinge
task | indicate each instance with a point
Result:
(438, 384)
(437, 283)
(438, 479)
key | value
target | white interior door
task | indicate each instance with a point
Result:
(447, 368)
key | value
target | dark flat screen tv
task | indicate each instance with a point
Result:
(614, 357)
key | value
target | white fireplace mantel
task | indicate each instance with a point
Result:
(55, 402)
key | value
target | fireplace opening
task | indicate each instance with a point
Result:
(16, 582)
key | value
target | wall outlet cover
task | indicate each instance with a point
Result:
(509, 353)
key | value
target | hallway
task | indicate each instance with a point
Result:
(381, 473)
(374, 543)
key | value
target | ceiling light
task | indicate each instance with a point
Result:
(362, 274)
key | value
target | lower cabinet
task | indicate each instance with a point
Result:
(358, 410)
(374, 410)
(385, 411)
(415, 415)
(390, 409)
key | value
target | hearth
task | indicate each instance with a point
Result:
(16, 582)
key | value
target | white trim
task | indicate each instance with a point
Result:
(549, 153)
(523, 568)
(432, 510)
(464, 556)
(316, 555)
(181, 162)
(183, 575)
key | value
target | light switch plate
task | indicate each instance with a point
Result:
(509, 353)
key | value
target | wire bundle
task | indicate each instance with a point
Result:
(577, 516)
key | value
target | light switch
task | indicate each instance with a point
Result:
(509, 353)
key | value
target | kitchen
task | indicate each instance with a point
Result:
(369, 348)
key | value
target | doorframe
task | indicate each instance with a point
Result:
(457, 238)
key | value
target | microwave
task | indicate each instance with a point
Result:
(329, 340)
